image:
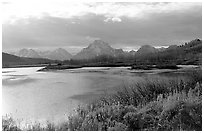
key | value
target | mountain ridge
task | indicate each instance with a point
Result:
(57, 54)
(9, 60)
(100, 50)
(94, 49)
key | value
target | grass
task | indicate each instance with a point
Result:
(153, 105)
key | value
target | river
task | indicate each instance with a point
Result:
(39, 96)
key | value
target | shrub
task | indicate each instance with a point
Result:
(9, 124)
(118, 127)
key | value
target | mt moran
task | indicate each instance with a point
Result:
(98, 48)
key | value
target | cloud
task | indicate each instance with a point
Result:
(113, 19)
(17, 9)
(122, 25)
(91, 39)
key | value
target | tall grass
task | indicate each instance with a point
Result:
(150, 105)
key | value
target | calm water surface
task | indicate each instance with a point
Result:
(31, 95)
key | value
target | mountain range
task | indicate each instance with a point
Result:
(9, 60)
(95, 49)
(58, 54)
(191, 52)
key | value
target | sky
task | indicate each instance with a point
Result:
(46, 25)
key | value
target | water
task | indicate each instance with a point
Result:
(31, 95)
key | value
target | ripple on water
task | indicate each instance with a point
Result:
(16, 80)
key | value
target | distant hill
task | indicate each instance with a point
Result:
(9, 60)
(58, 54)
(190, 53)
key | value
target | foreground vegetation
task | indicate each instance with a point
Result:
(150, 105)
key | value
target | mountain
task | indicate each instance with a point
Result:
(27, 53)
(193, 46)
(161, 49)
(132, 52)
(95, 49)
(118, 52)
(101, 52)
(172, 47)
(9, 60)
(189, 54)
(146, 49)
(58, 54)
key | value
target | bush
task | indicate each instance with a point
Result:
(9, 124)
(153, 105)
(118, 127)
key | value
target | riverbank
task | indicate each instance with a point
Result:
(132, 67)
(64, 66)
(59, 67)
(150, 67)
(21, 66)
